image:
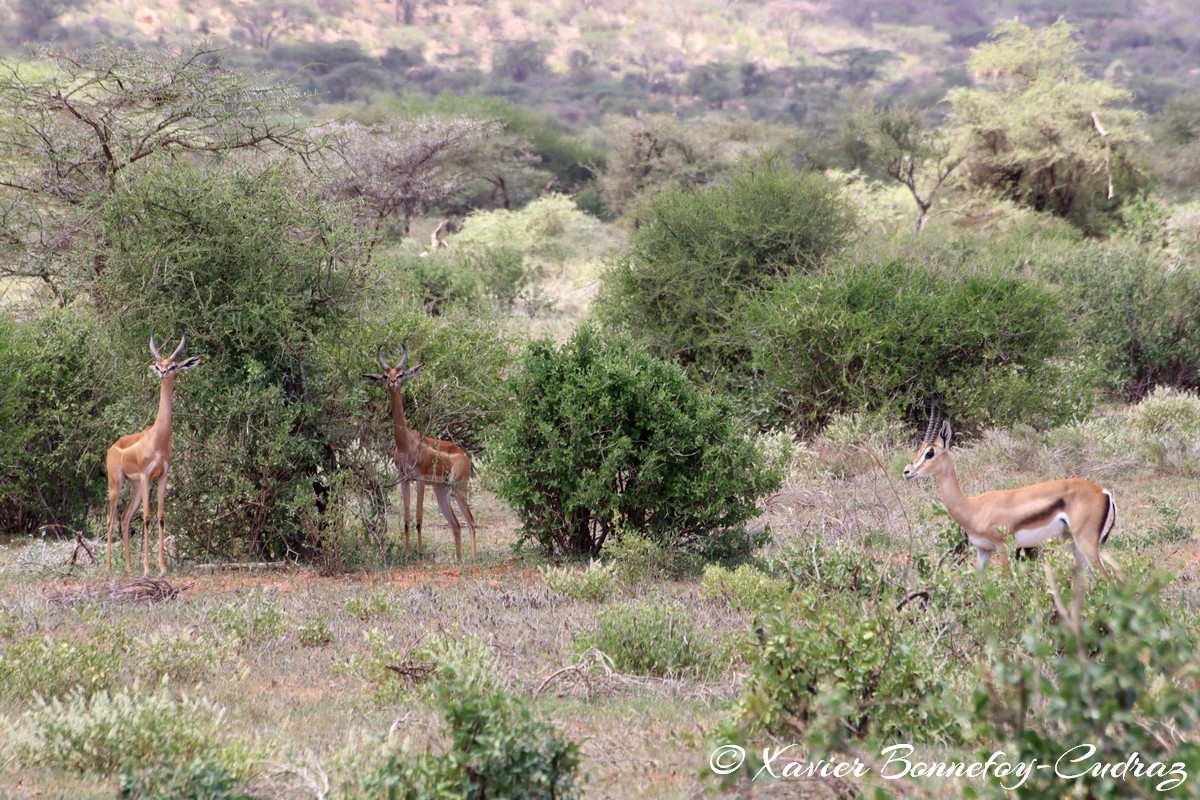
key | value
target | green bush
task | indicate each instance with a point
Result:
(743, 589)
(56, 386)
(102, 732)
(255, 620)
(596, 583)
(181, 656)
(603, 437)
(636, 559)
(651, 638)
(316, 633)
(824, 671)
(1112, 672)
(886, 337)
(1137, 311)
(203, 777)
(203, 252)
(497, 750)
(699, 255)
(51, 668)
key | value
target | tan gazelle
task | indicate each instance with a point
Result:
(1072, 508)
(144, 457)
(423, 460)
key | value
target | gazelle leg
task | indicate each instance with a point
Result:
(420, 513)
(982, 557)
(460, 494)
(145, 526)
(404, 490)
(114, 496)
(135, 500)
(442, 492)
(1087, 553)
(162, 527)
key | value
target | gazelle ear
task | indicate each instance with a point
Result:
(415, 370)
(189, 362)
(374, 377)
(946, 434)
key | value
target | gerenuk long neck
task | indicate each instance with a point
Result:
(161, 430)
(400, 430)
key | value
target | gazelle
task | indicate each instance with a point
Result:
(423, 460)
(1032, 515)
(144, 457)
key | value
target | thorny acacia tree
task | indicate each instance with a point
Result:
(73, 125)
(1044, 134)
(908, 150)
(399, 168)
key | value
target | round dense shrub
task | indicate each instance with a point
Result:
(892, 335)
(697, 254)
(604, 437)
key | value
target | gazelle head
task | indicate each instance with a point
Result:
(168, 367)
(393, 375)
(934, 451)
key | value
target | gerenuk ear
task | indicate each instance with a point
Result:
(189, 362)
(375, 377)
(946, 434)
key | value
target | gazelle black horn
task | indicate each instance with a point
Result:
(379, 355)
(154, 348)
(403, 358)
(935, 419)
(178, 350)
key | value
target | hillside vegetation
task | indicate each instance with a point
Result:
(683, 286)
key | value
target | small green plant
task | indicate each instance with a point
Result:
(596, 583)
(743, 589)
(102, 732)
(829, 569)
(52, 668)
(204, 776)
(256, 620)
(367, 609)
(651, 638)
(832, 676)
(497, 750)
(315, 633)
(636, 559)
(184, 657)
(10, 625)
(464, 659)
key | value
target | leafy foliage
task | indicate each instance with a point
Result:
(102, 732)
(56, 388)
(53, 668)
(699, 255)
(1049, 137)
(1136, 310)
(1097, 685)
(650, 638)
(889, 336)
(497, 749)
(603, 437)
